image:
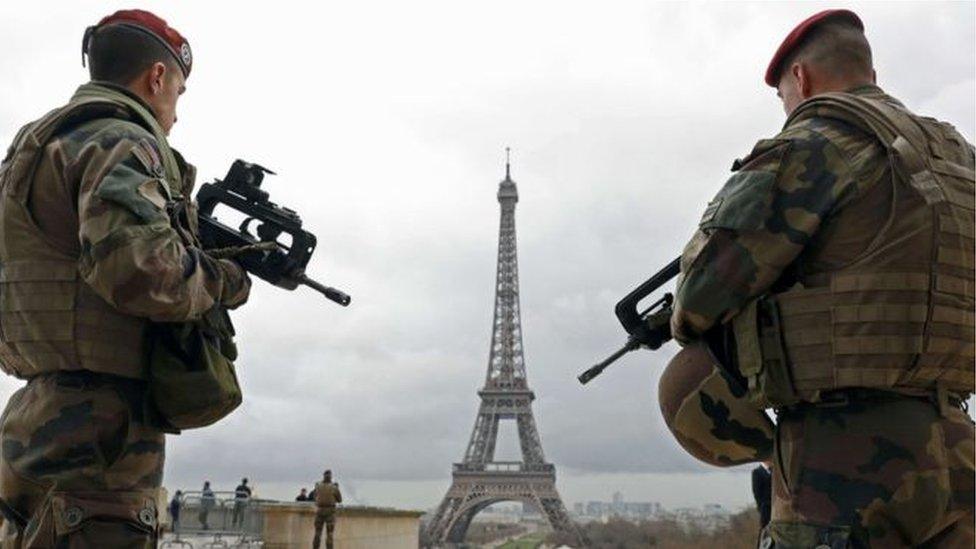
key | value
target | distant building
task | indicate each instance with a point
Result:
(617, 508)
(709, 517)
(714, 509)
(500, 513)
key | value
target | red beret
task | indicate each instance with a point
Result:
(152, 25)
(796, 36)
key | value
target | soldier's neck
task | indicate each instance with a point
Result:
(127, 91)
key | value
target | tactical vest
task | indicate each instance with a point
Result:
(898, 317)
(325, 494)
(50, 319)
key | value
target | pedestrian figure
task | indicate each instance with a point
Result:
(241, 496)
(174, 509)
(762, 492)
(207, 502)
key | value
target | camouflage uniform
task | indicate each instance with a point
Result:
(95, 244)
(871, 446)
(327, 495)
(706, 410)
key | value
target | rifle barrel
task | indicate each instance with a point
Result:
(594, 371)
(333, 294)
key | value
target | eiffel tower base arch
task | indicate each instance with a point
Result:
(473, 491)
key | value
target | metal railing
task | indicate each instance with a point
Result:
(218, 519)
(504, 466)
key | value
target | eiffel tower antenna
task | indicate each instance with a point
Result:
(480, 480)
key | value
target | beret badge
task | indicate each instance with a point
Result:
(185, 54)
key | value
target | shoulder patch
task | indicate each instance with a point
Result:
(762, 147)
(127, 185)
(743, 203)
(154, 191)
(711, 210)
(147, 154)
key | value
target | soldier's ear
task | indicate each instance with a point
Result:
(801, 72)
(157, 77)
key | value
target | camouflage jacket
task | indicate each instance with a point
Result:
(135, 252)
(97, 240)
(771, 225)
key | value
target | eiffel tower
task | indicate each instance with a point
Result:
(479, 481)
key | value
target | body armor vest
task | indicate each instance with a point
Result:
(325, 494)
(898, 317)
(50, 319)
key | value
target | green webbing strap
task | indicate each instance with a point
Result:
(954, 315)
(880, 312)
(867, 282)
(955, 257)
(878, 345)
(957, 225)
(745, 326)
(39, 270)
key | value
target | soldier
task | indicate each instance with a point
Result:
(97, 245)
(326, 495)
(832, 279)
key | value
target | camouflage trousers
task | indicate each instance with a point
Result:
(325, 516)
(79, 466)
(890, 472)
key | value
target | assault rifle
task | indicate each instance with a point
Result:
(260, 253)
(650, 327)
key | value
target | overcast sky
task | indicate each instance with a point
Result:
(387, 124)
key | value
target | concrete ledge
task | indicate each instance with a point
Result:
(342, 511)
(290, 525)
(359, 510)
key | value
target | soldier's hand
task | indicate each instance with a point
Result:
(659, 320)
(656, 329)
(237, 283)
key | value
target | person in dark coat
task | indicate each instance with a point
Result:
(762, 492)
